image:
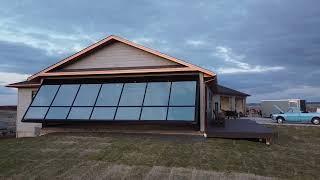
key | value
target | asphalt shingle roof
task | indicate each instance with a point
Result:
(228, 91)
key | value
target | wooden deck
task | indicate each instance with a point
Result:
(241, 129)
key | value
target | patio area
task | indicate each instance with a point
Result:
(241, 129)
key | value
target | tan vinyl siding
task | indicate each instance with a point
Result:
(119, 55)
(24, 99)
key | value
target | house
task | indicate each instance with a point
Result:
(118, 81)
(227, 99)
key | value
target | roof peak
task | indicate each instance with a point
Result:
(107, 39)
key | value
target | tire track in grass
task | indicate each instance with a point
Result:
(180, 173)
(29, 172)
(78, 170)
(115, 172)
(138, 172)
(158, 173)
(38, 170)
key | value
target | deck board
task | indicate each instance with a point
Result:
(240, 129)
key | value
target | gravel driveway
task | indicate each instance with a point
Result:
(272, 122)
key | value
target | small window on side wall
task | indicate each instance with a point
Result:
(33, 94)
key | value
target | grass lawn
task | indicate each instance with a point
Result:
(295, 155)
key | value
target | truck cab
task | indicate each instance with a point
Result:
(293, 114)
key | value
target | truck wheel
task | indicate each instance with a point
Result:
(280, 120)
(315, 121)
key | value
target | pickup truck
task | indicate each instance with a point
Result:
(295, 115)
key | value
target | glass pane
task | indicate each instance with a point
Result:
(80, 113)
(157, 94)
(109, 95)
(128, 113)
(65, 95)
(87, 95)
(45, 95)
(58, 113)
(181, 113)
(183, 93)
(154, 113)
(36, 113)
(103, 113)
(132, 94)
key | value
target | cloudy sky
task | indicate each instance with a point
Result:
(269, 49)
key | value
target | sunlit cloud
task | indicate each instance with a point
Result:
(234, 63)
(144, 40)
(195, 43)
(255, 69)
(50, 41)
(7, 78)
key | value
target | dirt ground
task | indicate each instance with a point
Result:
(8, 117)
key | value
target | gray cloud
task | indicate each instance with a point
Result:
(267, 33)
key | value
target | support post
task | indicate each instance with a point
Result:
(202, 101)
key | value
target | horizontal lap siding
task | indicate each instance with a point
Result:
(119, 55)
(24, 99)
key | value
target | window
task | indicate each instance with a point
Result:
(45, 95)
(109, 95)
(132, 94)
(293, 104)
(57, 113)
(87, 95)
(78, 113)
(181, 113)
(128, 113)
(183, 93)
(66, 95)
(155, 101)
(33, 94)
(103, 113)
(157, 94)
(154, 113)
(36, 112)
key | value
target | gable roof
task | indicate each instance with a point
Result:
(228, 91)
(110, 39)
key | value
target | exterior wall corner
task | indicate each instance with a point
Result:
(25, 129)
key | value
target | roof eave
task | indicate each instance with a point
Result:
(15, 85)
(115, 72)
(239, 95)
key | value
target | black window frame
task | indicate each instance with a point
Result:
(61, 82)
(33, 94)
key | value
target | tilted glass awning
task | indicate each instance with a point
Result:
(173, 101)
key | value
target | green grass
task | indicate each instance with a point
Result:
(295, 154)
